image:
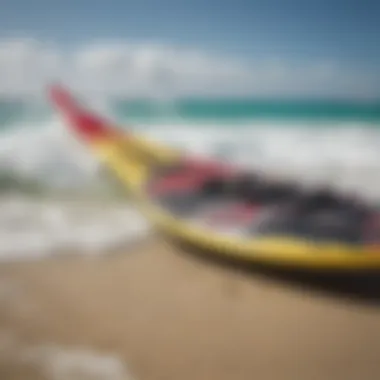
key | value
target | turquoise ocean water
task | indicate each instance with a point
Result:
(236, 110)
(222, 110)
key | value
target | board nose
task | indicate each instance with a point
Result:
(61, 98)
(85, 124)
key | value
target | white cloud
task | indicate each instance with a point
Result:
(122, 68)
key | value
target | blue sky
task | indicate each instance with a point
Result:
(325, 48)
(299, 29)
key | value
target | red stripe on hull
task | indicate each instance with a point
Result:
(84, 123)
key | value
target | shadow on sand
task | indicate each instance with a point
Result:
(360, 286)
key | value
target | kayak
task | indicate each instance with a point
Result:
(222, 209)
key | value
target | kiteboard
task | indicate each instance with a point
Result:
(225, 209)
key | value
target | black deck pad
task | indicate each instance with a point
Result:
(246, 205)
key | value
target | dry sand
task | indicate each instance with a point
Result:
(172, 316)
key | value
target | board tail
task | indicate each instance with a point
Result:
(85, 124)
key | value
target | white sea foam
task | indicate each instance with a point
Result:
(347, 157)
(32, 228)
(56, 362)
(60, 363)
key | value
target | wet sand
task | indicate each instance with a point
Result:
(172, 316)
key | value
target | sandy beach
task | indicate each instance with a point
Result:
(152, 312)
